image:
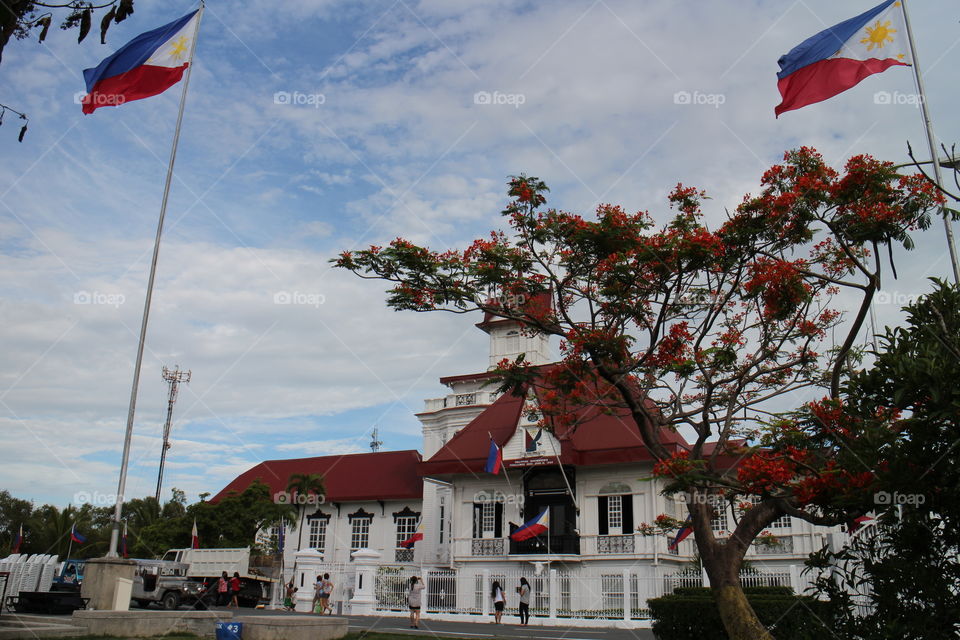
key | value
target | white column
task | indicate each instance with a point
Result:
(309, 563)
(626, 595)
(364, 601)
(554, 587)
(485, 595)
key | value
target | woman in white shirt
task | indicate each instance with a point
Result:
(415, 600)
(499, 601)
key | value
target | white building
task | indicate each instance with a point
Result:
(590, 564)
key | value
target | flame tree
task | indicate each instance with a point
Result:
(686, 326)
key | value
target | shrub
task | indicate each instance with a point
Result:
(692, 614)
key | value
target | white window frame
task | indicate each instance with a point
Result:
(488, 519)
(614, 515)
(360, 533)
(406, 527)
(719, 521)
(317, 538)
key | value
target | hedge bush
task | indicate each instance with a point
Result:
(691, 614)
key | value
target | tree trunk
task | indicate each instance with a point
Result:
(739, 619)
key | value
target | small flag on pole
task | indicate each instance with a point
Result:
(146, 66)
(416, 537)
(17, 541)
(194, 537)
(75, 535)
(682, 534)
(533, 528)
(123, 542)
(838, 58)
(494, 459)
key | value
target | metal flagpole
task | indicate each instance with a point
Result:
(128, 436)
(951, 245)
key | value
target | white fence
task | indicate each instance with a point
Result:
(596, 595)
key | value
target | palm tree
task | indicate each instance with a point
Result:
(300, 487)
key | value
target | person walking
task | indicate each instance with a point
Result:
(223, 589)
(499, 601)
(234, 590)
(326, 591)
(415, 601)
(316, 606)
(524, 591)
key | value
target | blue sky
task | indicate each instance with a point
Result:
(383, 136)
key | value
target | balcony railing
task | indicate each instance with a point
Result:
(565, 544)
(615, 544)
(487, 547)
(403, 555)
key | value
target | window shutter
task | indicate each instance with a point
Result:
(627, 502)
(498, 520)
(602, 524)
(477, 520)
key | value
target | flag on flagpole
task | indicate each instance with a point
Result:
(194, 536)
(682, 534)
(123, 541)
(75, 535)
(533, 442)
(838, 58)
(17, 541)
(146, 66)
(416, 537)
(532, 528)
(858, 523)
(494, 459)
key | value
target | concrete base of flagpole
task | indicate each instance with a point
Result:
(100, 580)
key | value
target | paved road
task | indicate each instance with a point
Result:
(509, 630)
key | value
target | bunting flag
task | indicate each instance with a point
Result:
(533, 528)
(123, 541)
(416, 537)
(146, 66)
(838, 58)
(857, 524)
(682, 534)
(494, 459)
(194, 536)
(17, 541)
(75, 535)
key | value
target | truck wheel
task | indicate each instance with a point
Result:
(171, 600)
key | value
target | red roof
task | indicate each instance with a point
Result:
(599, 438)
(386, 475)
(468, 377)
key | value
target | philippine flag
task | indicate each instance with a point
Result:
(416, 537)
(75, 535)
(149, 64)
(838, 58)
(194, 537)
(123, 542)
(494, 459)
(17, 542)
(682, 535)
(533, 528)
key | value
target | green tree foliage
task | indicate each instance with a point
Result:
(898, 578)
(303, 491)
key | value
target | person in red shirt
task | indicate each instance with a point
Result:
(235, 589)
